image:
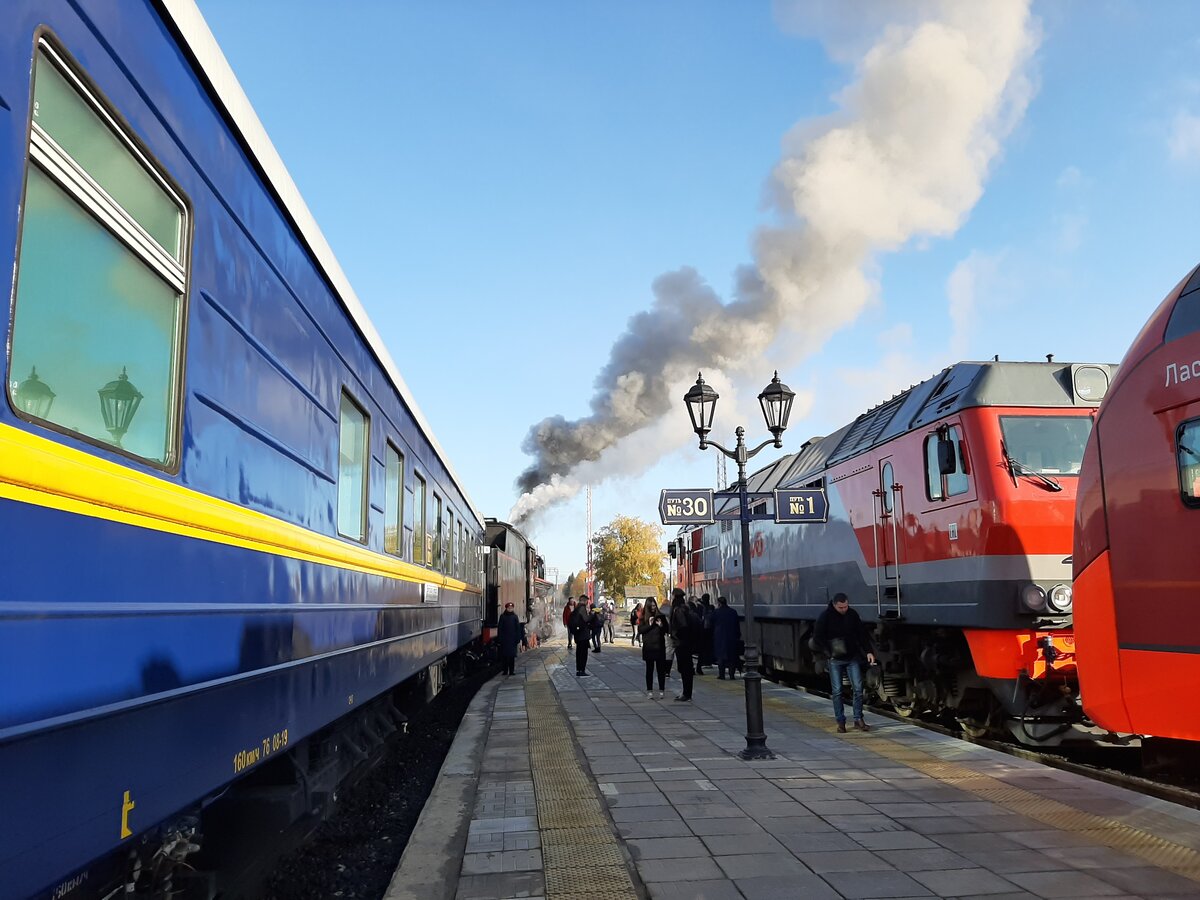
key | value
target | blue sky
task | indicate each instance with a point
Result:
(503, 183)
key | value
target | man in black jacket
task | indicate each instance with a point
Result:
(839, 633)
(581, 629)
(683, 632)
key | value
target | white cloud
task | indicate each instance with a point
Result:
(969, 287)
(1183, 143)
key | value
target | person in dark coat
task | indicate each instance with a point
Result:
(840, 634)
(510, 631)
(726, 632)
(581, 628)
(683, 634)
(635, 619)
(567, 610)
(704, 652)
(654, 630)
(597, 622)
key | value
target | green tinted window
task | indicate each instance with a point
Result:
(352, 471)
(419, 554)
(80, 131)
(393, 502)
(87, 311)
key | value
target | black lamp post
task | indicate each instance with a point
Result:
(119, 400)
(776, 402)
(34, 397)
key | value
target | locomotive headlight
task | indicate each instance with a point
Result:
(1033, 598)
(1059, 599)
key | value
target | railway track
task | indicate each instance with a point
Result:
(1106, 772)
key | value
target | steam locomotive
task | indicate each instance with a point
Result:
(1136, 568)
(950, 528)
(228, 532)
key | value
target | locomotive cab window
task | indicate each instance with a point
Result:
(1187, 452)
(352, 471)
(101, 276)
(1045, 445)
(945, 464)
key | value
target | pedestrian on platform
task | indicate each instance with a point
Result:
(510, 631)
(581, 628)
(635, 619)
(707, 655)
(567, 610)
(684, 624)
(666, 610)
(841, 635)
(654, 633)
(610, 612)
(597, 621)
(726, 632)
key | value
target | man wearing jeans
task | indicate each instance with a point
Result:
(839, 633)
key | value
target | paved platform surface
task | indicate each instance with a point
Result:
(584, 788)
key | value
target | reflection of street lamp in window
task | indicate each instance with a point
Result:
(34, 397)
(119, 401)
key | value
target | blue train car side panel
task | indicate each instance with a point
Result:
(162, 626)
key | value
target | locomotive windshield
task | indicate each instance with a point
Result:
(1046, 445)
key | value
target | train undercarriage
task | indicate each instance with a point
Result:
(930, 673)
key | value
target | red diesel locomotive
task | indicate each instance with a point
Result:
(1137, 572)
(950, 527)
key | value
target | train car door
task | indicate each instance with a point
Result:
(889, 502)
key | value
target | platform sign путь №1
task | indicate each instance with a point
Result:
(686, 506)
(796, 505)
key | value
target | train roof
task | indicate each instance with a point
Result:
(496, 534)
(227, 92)
(964, 385)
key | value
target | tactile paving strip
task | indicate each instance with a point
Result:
(1165, 854)
(581, 857)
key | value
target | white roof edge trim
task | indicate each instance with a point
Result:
(199, 38)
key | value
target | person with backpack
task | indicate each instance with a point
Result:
(683, 626)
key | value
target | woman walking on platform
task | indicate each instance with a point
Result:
(654, 630)
(635, 619)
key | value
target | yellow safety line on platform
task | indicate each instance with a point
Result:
(1157, 851)
(581, 855)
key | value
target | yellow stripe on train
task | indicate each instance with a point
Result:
(44, 473)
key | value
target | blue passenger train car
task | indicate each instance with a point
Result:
(224, 522)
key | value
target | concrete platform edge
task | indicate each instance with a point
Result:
(430, 866)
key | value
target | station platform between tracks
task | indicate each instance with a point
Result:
(566, 787)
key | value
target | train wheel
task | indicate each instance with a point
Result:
(974, 728)
(905, 708)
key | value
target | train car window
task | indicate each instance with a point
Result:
(1185, 317)
(352, 470)
(1187, 451)
(419, 548)
(451, 549)
(437, 532)
(101, 277)
(393, 502)
(886, 480)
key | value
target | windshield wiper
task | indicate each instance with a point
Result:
(1015, 466)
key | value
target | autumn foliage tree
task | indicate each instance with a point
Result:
(627, 551)
(577, 586)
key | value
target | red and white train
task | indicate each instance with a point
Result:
(1137, 569)
(950, 527)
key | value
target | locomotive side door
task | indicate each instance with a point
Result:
(888, 512)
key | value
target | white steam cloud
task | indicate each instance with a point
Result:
(937, 88)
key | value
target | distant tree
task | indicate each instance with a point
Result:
(566, 588)
(627, 551)
(578, 584)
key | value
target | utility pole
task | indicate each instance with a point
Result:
(590, 590)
